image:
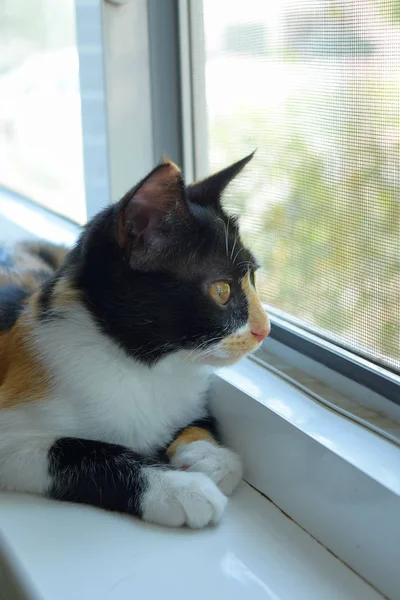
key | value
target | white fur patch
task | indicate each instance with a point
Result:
(175, 498)
(221, 465)
(23, 459)
(103, 394)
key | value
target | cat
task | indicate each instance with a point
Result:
(106, 353)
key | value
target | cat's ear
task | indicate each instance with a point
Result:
(144, 208)
(208, 191)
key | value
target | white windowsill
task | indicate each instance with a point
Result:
(358, 446)
(71, 551)
(337, 480)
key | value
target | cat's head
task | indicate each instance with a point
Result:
(165, 270)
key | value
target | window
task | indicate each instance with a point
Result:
(314, 85)
(40, 105)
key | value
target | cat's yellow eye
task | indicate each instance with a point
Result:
(220, 291)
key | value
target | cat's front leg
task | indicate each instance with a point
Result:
(196, 449)
(112, 477)
(116, 478)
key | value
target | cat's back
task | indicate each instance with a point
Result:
(23, 269)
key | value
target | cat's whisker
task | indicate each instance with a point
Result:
(156, 349)
(248, 263)
(234, 244)
(237, 254)
(199, 351)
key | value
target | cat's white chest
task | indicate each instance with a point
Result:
(142, 407)
(102, 394)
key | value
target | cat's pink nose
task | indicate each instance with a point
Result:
(261, 334)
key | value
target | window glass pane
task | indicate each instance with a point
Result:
(40, 113)
(314, 85)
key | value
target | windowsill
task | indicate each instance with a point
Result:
(337, 480)
(365, 450)
(72, 551)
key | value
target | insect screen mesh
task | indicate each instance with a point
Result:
(314, 85)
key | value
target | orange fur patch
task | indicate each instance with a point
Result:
(168, 161)
(64, 293)
(22, 378)
(258, 318)
(34, 303)
(240, 344)
(62, 297)
(189, 435)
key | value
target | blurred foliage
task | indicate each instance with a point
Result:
(390, 9)
(246, 38)
(320, 207)
(323, 30)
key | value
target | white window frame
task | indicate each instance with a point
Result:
(129, 77)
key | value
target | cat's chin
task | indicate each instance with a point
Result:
(212, 361)
(215, 361)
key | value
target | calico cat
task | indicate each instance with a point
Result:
(106, 354)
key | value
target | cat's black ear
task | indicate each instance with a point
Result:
(145, 207)
(208, 191)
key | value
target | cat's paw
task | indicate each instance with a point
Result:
(221, 465)
(175, 498)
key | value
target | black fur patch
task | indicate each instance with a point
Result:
(152, 313)
(11, 304)
(44, 303)
(104, 475)
(46, 311)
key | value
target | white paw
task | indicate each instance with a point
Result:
(221, 465)
(176, 498)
